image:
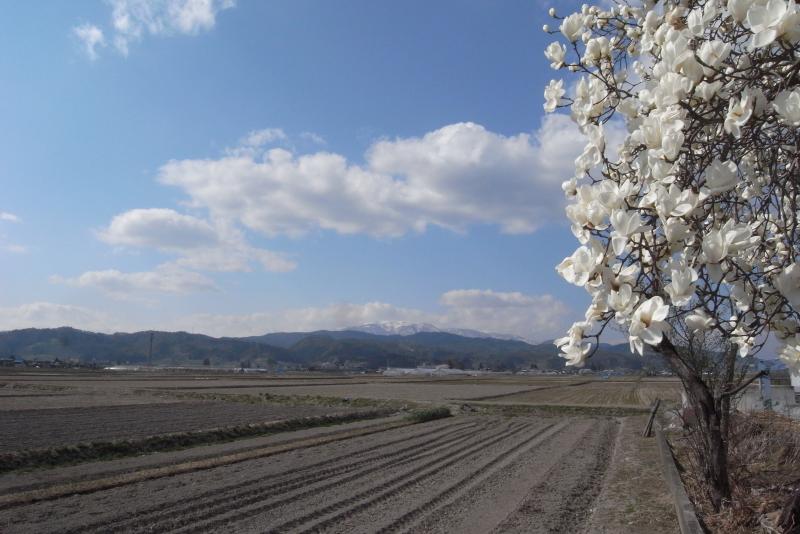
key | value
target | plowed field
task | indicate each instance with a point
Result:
(26, 429)
(465, 474)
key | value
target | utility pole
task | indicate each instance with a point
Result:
(150, 354)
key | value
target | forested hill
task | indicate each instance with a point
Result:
(348, 349)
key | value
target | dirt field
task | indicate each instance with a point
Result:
(24, 429)
(472, 473)
(466, 474)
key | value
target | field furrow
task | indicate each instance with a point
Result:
(207, 505)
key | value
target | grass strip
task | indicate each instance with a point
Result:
(556, 409)
(106, 450)
(429, 414)
(58, 491)
(290, 400)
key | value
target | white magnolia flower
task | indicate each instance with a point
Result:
(674, 201)
(572, 346)
(555, 53)
(718, 244)
(787, 105)
(575, 334)
(682, 195)
(738, 9)
(765, 21)
(721, 177)
(707, 91)
(578, 268)
(788, 283)
(681, 286)
(739, 112)
(715, 247)
(712, 54)
(570, 187)
(572, 27)
(699, 320)
(696, 23)
(790, 353)
(576, 355)
(552, 95)
(622, 301)
(648, 324)
(676, 230)
(626, 224)
(596, 49)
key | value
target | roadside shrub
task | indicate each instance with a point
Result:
(429, 414)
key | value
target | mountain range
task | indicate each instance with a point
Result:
(349, 349)
(403, 328)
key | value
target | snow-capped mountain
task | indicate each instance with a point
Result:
(404, 328)
(394, 328)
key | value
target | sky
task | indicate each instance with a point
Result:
(237, 168)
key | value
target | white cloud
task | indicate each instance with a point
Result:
(314, 138)
(91, 37)
(454, 177)
(198, 243)
(14, 248)
(165, 278)
(258, 138)
(50, 315)
(529, 316)
(159, 228)
(5, 245)
(536, 317)
(132, 20)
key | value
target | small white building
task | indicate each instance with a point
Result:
(795, 377)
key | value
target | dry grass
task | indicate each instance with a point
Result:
(764, 460)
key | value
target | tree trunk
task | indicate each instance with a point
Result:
(708, 411)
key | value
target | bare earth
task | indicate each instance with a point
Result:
(24, 429)
(466, 474)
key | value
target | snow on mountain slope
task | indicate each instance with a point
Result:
(403, 328)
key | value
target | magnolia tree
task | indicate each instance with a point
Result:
(693, 218)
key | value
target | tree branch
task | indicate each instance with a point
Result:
(745, 384)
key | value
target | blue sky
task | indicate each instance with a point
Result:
(238, 168)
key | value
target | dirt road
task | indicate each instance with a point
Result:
(464, 474)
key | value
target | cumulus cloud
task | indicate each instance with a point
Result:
(535, 317)
(137, 285)
(259, 138)
(454, 177)
(51, 315)
(198, 243)
(91, 37)
(8, 217)
(132, 20)
(528, 316)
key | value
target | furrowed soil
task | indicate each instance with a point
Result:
(34, 429)
(463, 474)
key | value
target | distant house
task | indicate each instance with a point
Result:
(11, 361)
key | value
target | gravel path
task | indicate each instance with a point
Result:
(464, 474)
